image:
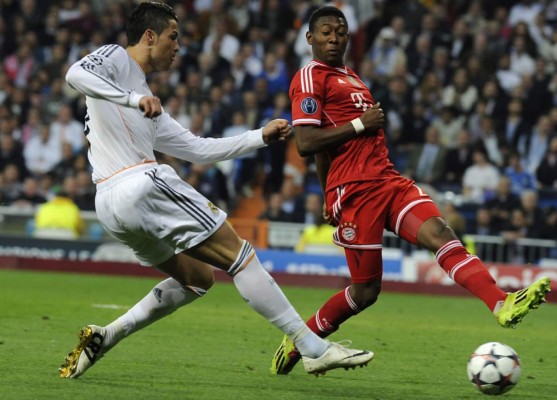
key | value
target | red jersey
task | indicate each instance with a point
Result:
(332, 96)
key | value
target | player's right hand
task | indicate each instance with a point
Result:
(373, 118)
(151, 106)
(277, 130)
(327, 217)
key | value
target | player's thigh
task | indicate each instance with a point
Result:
(409, 211)
(188, 271)
(220, 249)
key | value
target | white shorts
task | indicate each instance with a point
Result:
(150, 209)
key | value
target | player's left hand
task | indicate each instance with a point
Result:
(277, 130)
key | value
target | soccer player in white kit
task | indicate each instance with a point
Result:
(167, 223)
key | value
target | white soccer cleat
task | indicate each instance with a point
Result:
(337, 356)
(87, 352)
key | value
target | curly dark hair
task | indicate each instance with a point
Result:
(324, 12)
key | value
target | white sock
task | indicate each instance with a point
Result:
(165, 298)
(262, 293)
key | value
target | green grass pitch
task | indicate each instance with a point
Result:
(218, 348)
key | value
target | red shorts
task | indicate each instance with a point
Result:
(362, 210)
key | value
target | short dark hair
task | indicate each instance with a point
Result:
(148, 15)
(324, 12)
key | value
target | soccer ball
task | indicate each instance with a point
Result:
(494, 368)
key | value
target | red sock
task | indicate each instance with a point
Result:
(334, 312)
(469, 272)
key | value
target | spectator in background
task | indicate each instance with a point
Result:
(520, 178)
(419, 56)
(533, 147)
(483, 223)
(277, 17)
(501, 205)
(514, 126)
(496, 101)
(521, 63)
(42, 153)
(524, 11)
(30, 195)
(54, 99)
(11, 183)
(539, 97)
(276, 74)
(414, 126)
(489, 139)
(533, 213)
(480, 179)
(85, 191)
(474, 17)
(59, 218)
(449, 124)
(476, 72)
(515, 228)
(460, 94)
(549, 228)
(293, 202)
(274, 211)
(31, 126)
(440, 65)
(385, 53)
(241, 15)
(220, 41)
(458, 159)
(546, 173)
(317, 237)
(403, 37)
(65, 166)
(20, 65)
(243, 80)
(430, 93)
(521, 30)
(506, 77)
(461, 43)
(426, 162)
(11, 152)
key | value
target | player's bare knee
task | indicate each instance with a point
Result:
(205, 281)
(435, 234)
(365, 294)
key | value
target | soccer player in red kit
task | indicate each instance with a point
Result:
(336, 119)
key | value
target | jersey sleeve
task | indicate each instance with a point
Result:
(179, 142)
(96, 75)
(306, 96)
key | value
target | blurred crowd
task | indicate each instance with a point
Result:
(469, 87)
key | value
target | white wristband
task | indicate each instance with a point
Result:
(358, 125)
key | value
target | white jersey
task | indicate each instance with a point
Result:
(120, 136)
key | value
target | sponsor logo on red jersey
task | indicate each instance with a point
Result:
(309, 105)
(348, 231)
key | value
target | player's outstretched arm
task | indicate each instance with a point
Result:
(177, 141)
